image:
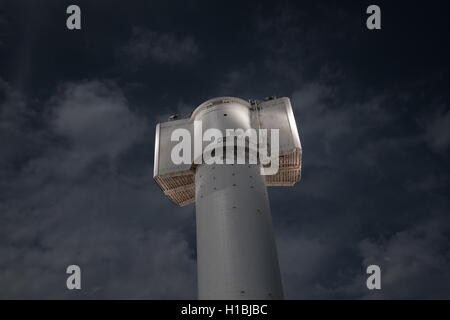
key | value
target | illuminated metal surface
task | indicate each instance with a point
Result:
(236, 250)
(177, 181)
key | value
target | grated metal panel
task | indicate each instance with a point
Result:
(289, 171)
(179, 187)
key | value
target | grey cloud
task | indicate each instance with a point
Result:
(327, 121)
(18, 144)
(412, 260)
(438, 130)
(95, 118)
(302, 260)
(165, 48)
(80, 203)
(346, 139)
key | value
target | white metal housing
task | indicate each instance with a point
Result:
(236, 250)
(177, 181)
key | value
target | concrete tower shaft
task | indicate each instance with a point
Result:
(236, 250)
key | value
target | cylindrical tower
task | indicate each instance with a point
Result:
(236, 251)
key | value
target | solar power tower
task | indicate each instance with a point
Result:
(236, 250)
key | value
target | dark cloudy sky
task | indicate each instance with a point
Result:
(78, 111)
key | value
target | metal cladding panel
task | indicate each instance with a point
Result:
(278, 114)
(236, 251)
(292, 124)
(156, 155)
(218, 101)
(164, 145)
(225, 116)
(222, 117)
(176, 181)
